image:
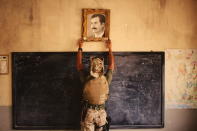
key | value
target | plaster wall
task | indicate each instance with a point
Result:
(136, 25)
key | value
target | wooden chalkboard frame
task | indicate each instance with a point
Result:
(15, 107)
(161, 125)
(74, 127)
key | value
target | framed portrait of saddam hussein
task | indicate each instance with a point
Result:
(95, 24)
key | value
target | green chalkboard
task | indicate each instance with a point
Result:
(47, 91)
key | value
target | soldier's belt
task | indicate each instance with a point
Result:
(96, 107)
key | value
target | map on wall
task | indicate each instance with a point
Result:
(181, 78)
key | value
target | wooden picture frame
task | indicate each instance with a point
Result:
(95, 24)
(4, 64)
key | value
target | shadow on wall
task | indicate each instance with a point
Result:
(193, 7)
(193, 120)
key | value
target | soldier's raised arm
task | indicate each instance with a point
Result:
(110, 62)
(79, 55)
(110, 56)
(79, 61)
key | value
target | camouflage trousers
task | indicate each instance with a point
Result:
(94, 119)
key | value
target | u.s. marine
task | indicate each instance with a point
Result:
(95, 91)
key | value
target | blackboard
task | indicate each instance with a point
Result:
(47, 91)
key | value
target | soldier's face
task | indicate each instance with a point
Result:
(97, 66)
(96, 25)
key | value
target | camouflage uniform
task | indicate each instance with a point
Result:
(95, 93)
(94, 117)
(96, 90)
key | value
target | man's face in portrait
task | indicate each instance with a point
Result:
(96, 25)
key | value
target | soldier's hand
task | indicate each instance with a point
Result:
(80, 43)
(108, 44)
